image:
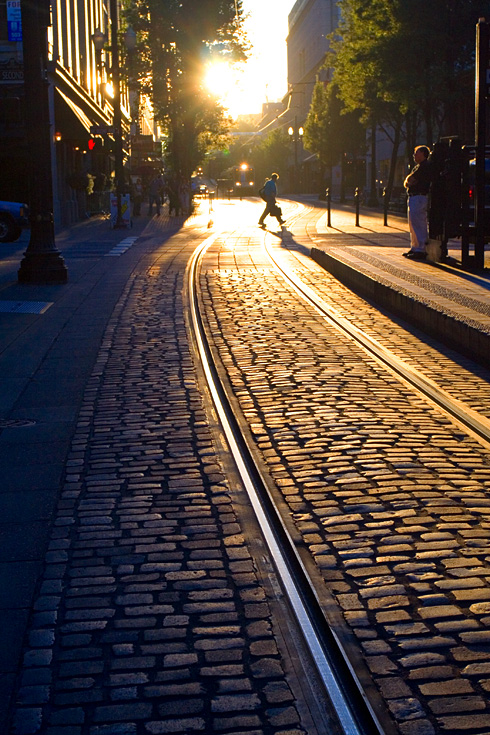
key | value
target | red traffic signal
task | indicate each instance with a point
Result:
(94, 144)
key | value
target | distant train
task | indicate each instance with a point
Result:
(243, 181)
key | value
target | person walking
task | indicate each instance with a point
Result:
(155, 195)
(173, 193)
(268, 194)
(137, 197)
(417, 185)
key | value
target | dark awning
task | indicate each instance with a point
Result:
(71, 117)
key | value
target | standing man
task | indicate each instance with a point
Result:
(269, 193)
(417, 185)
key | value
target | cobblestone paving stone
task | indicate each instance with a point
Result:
(456, 374)
(391, 499)
(459, 376)
(150, 618)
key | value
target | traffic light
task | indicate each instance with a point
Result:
(94, 143)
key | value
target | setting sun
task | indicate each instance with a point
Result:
(219, 77)
(243, 88)
(226, 83)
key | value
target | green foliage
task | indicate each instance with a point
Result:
(81, 181)
(271, 154)
(330, 130)
(175, 40)
(393, 57)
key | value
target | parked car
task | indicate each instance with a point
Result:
(13, 217)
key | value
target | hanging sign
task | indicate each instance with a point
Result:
(14, 22)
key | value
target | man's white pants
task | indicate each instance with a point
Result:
(417, 222)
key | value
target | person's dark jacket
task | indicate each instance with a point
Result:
(422, 177)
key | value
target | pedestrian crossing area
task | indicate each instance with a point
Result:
(121, 247)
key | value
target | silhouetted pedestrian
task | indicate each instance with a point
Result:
(268, 194)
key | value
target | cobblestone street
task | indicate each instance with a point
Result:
(153, 606)
(150, 611)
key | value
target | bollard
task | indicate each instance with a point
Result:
(329, 207)
(385, 207)
(357, 200)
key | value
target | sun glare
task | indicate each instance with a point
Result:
(226, 83)
(243, 88)
(220, 77)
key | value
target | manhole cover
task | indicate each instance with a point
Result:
(15, 423)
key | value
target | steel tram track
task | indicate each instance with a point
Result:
(475, 424)
(354, 711)
(339, 679)
(471, 421)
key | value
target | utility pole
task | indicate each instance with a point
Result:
(481, 93)
(117, 119)
(42, 262)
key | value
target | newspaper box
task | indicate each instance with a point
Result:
(125, 210)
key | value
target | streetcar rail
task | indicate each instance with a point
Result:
(470, 420)
(354, 711)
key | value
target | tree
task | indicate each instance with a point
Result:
(401, 59)
(360, 58)
(331, 132)
(270, 154)
(176, 38)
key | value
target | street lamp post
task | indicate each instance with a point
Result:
(42, 262)
(296, 134)
(130, 41)
(99, 40)
(117, 120)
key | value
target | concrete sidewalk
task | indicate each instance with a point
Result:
(445, 301)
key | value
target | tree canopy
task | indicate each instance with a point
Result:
(270, 154)
(405, 56)
(176, 39)
(331, 130)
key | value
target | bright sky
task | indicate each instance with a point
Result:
(264, 77)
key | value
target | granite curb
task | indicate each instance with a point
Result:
(449, 328)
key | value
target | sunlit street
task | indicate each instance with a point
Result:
(244, 367)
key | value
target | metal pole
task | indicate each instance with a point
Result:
(295, 137)
(482, 39)
(356, 201)
(385, 207)
(329, 207)
(116, 83)
(465, 211)
(373, 197)
(42, 262)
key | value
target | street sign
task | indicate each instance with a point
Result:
(12, 73)
(142, 144)
(14, 23)
(102, 130)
